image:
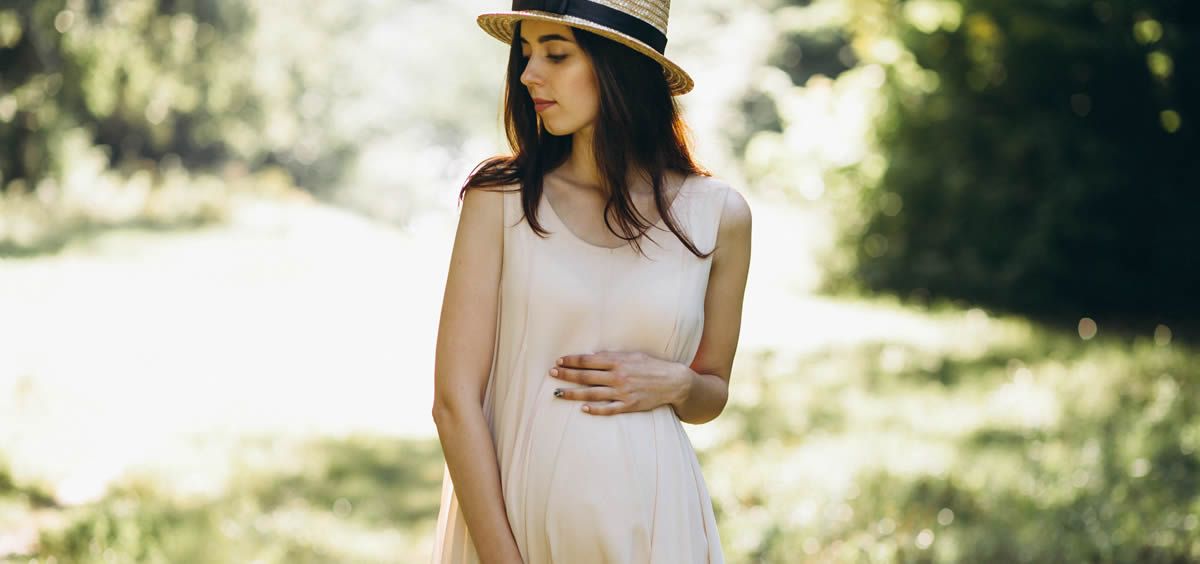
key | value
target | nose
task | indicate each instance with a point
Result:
(531, 75)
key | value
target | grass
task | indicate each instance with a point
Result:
(94, 201)
(1025, 445)
(1041, 449)
(858, 429)
(357, 499)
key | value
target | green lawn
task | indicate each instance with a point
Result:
(225, 399)
(1028, 445)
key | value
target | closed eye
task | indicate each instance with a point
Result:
(555, 58)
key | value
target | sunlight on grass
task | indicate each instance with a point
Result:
(854, 426)
(353, 500)
(266, 323)
(1020, 428)
(212, 366)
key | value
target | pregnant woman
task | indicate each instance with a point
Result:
(593, 303)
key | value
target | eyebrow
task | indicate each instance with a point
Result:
(549, 37)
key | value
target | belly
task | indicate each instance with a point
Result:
(606, 489)
(593, 481)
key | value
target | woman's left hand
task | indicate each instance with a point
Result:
(622, 382)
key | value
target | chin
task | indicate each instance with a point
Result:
(558, 130)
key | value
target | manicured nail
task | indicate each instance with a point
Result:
(554, 372)
(557, 393)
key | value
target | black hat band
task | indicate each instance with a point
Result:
(602, 15)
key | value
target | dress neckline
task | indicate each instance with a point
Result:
(660, 224)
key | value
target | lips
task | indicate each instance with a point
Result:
(540, 104)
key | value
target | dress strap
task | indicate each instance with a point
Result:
(708, 201)
(512, 206)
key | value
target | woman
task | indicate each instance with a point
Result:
(569, 351)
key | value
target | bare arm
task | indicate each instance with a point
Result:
(707, 389)
(465, 345)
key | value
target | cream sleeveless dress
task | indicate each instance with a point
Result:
(581, 488)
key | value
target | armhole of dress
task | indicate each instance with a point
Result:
(718, 211)
(503, 230)
(489, 388)
(513, 212)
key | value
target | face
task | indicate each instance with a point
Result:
(558, 72)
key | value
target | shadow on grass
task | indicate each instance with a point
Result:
(838, 457)
(86, 231)
(31, 495)
(361, 499)
(396, 485)
(1114, 484)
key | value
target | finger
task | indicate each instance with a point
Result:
(605, 408)
(583, 376)
(593, 393)
(593, 361)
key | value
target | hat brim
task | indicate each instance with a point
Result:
(500, 25)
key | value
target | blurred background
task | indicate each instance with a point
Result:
(970, 331)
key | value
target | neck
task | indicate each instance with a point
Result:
(581, 164)
(581, 168)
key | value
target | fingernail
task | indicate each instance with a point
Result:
(554, 372)
(558, 362)
(587, 409)
(557, 393)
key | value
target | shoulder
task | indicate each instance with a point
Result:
(734, 209)
(486, 199)
(734, 223)
(482, 211)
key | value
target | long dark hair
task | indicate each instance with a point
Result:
(638, 125)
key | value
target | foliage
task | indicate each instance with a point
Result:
(166, 82)
(142, 112)
(1041, 161)
(148, 79)
(1029, 157)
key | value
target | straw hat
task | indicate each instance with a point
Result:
(639, 24)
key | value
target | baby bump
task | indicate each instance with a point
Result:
(600, 497)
